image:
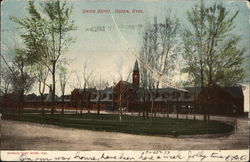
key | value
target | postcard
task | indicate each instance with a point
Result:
(121, 80)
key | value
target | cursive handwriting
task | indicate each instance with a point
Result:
(234, 157)
(163, 155)
(159, 154)
(199, 155)
(26, 158)
(81, 157)
(114, 157)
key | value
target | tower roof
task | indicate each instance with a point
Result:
(136, 67)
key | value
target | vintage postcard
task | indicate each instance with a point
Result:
(122, 80)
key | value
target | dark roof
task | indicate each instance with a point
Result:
(65, 96)
(166, 89)
(31, 97)
(235, 91)
(193, 89)
(48, 98)
(107, 89)
(13, 96)
(87, 89)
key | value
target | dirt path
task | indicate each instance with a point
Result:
(27, 136)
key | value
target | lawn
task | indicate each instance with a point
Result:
(129, 124)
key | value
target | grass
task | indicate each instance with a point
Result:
(129, 124)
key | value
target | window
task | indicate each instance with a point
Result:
(110, 96)
(187, 95)
(176, 94)
(104, 95)
(93, 96)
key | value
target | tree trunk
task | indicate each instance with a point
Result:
(88, 109)
(5, 104)
(98, 106)
(81, 106)
(152, 106)
(144, 111)
(53, 87)
(187, 113)
(78, 104)
(147, 110)
(21, 107)
(177, 109)
(42, 104)
(88, 103)
(144, 105)
(63, 104)
(120, 107)
(177, 113)
(81, 110)
(194, 111)
(194, 104)
(202, 97)
(168, 111)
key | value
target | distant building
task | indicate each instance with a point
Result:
(132, 97)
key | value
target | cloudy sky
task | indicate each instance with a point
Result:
(100, 43)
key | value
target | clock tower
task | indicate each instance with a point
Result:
(136, 74)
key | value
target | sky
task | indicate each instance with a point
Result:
(104, 47)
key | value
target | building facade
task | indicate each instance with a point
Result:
(130, 97)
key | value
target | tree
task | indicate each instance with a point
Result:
(227, 66)
(176, 95)
(35, 41)
(146, 78)
(84, 81)
(121, 91)
(21, 80)
(87, 76)
(159, 53)
(209, 48)
(47, 30)
(100, 85)
(63, 78)
(5, 86)
(40, 72)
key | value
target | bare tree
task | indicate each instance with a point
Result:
(146, 78)
(77, 81)
(5, 86)
(63, 78)
(19, 75)
(84, 80)
(87, 76)
(100, 85)
(159, 52)
(122, 76)
(41, 75)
